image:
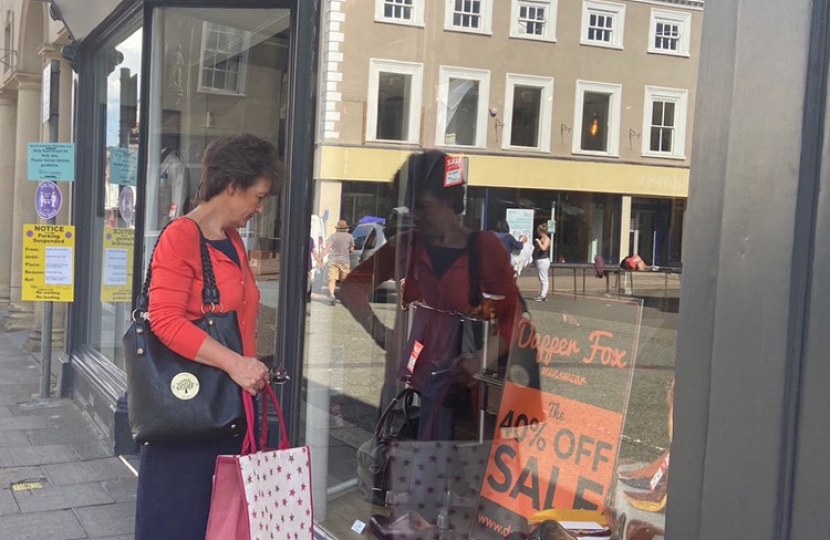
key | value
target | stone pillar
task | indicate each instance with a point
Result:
(20, 315)
(7, 139)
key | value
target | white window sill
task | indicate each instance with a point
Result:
(445, 145)
(527, 149)
(217, 92)
(601, 44)
(595, 153)
(669, 53)
(529, 37)
(399, 22)
(662, 155)
(468, 31)
(393, 141)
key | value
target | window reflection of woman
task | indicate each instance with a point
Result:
(435, 261)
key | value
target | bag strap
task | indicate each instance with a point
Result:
(210, 292)
(249, 444)
(406, 395)
(472, 266)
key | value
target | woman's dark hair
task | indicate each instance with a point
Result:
(241, 160)
(423, 173)
(502, 226)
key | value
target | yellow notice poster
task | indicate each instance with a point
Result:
(117, 266)
(48, 263)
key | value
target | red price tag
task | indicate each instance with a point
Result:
(453, 171)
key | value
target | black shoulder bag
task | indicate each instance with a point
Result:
(399, 422)
(172, 399)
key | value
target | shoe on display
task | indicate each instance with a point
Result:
(409, 526)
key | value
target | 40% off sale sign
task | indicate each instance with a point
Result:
(561, 415)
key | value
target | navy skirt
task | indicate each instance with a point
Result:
(174, 488)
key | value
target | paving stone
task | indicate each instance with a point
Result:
(62, 497)
(22, 423)
(5, 412)
(7, 504)
(14, 438)
(87, 471)
(17, 395)
(10, 475)
(36, 455)
(56, 525)
(107, 520)
(121, 489)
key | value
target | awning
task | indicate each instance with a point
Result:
(81, 17)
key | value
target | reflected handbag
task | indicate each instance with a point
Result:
(172, 399)
(399, 422)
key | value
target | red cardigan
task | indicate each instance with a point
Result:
(176, 289)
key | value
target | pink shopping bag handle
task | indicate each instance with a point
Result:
(249, 445)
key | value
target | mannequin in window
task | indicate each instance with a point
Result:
(173, 186)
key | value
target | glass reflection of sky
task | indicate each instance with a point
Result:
(131, 49)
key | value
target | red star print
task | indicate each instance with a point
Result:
(291, 458)
(279, 468)
(269, 494)
(302, 486)
(285, 503)
(250, 479)
(291, 517)
(291, 493)
(288, 476)
(302, 526)
(254, 514)
(300, 502)
(299, 470)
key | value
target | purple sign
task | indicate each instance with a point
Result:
(48, 200)
(126, 204)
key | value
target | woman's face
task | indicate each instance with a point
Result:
(246, 203)
(432, 216)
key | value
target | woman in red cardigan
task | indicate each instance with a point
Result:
(239, 172)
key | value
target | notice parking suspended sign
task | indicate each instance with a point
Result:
(51, 161)
(48, 263)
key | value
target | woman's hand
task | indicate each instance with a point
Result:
(250, 374)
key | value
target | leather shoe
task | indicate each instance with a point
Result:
(409, 526)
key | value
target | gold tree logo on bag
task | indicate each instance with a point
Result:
(185, 386)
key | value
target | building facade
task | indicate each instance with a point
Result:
(572, 109)
(580, 111)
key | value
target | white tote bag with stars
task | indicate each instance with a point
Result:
(262, 494)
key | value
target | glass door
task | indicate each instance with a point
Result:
(217, 72)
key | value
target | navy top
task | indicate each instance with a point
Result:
(226, 246)
(442, 257)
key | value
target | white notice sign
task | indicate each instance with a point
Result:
(58, 265)
(115, 267)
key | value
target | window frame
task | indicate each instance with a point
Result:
(243, 64)
(549, 35)
(417, 14)
(681, 18)
(614, 90)
(413, 69)
(678, 96)
(546, 84)
(486, 18)
(445, 73)
(606, 8)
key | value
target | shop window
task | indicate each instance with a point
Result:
(603, 24)
(534, 19)
(669, 32)
(597, 118)
(468, 15)
(463, 95)
(224, 59)
(528, 117)
(664, 122)
(394, 101)
(409, 12)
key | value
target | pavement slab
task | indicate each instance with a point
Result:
(107, 520)
(121, 489)
(36, 455)
(12, 438)
(80, 472)
(62, 497)
(56, 525)
(10, 475)
(7, 503)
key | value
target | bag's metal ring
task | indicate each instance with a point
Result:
(139, 314)
(214, 307)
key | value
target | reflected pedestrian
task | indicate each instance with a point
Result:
(541, 258)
